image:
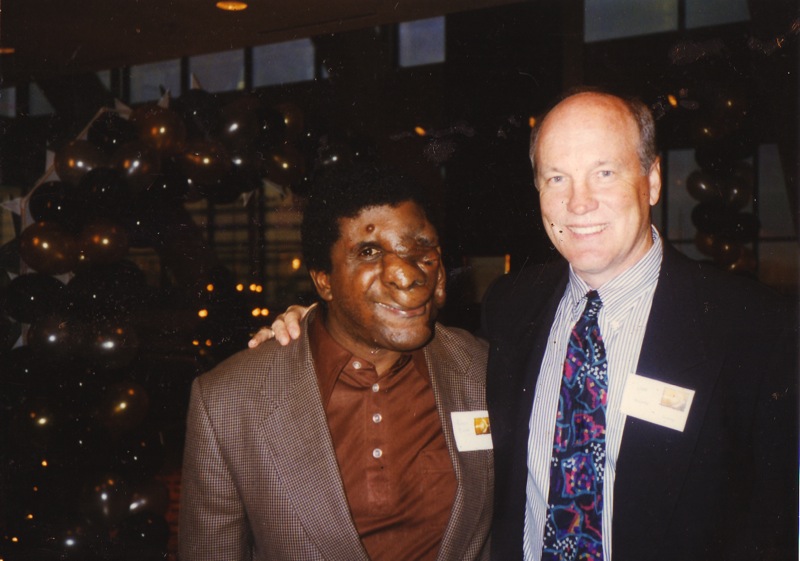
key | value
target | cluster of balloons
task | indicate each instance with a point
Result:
(88, 404)
(723, 186)
(111, 184)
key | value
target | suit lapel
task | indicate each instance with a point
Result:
(296, 433)
(472, 469)
(653, 460)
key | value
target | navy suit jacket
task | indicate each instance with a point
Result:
(725, 487)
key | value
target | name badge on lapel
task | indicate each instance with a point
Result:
(472, 430)
(657, 402)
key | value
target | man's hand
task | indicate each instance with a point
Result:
(285, 328)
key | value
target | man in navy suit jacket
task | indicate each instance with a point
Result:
(724, 484)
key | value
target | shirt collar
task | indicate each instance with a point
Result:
(331, 359)
(622, 288)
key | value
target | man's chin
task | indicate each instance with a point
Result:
(411, 341)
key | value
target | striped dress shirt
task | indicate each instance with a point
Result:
(626, 307)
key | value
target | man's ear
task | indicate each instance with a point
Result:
(322, 282)
(440, 293)
(654, 182)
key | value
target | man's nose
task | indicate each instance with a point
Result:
(403, 272)
(581, 198)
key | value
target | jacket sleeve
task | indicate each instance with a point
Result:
(213, 523)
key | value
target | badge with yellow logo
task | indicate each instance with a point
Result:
(472, 430)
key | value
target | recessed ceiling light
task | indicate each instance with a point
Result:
(232, 6)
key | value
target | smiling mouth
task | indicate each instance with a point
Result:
(587, 230)
(405, 312)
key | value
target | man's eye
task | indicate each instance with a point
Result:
(606, 173)
(556, 179)
(368, 252)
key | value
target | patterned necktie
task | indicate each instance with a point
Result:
(573, 529)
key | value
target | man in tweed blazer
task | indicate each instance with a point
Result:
(265, 473)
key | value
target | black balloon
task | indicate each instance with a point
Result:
(32, 296)
(105, 498)
(104, 291)
(746, 264)
(24, 369)
(703, 187)
(200, 112)
(293, 120)
(106, 192)
(54, 201)
(248, 123)
(149, 496)
(722, 155)
(35, 422)
(704, 242)
(109, 131)
(285, 166)
(206, 164)
(737, 192)
(56, 335)
(123, 407)
(48, 248)
(162, 129)
(709, 217)
(726, 251)
(139, 455)
(741, 227)
(69, 539)
(76, 159)
(103, 241)
(170, 186)
(139, 164)
(111, 344)
(145, 534)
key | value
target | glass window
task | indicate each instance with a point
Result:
(283, 63)
(701, 13)
(612, 19)
(680, 164)
(105, 78)
(779, 265)
(421, 42)
(774, 209)
(148, 79)
(8, 102)
(219, 72)
(39, 103)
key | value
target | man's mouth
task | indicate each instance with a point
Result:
(587, 230)
(403, 311)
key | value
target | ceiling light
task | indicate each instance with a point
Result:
(232, 6)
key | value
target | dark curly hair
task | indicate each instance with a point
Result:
(343, 192)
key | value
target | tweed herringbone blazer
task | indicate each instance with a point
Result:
(260, 478)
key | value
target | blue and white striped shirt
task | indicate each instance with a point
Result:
(626, 307)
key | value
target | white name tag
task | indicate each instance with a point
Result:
(657, 402)
(472, 430)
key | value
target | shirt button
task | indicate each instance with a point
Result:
(377, 418)
(377, 453)
(357, 365)
(376, 388)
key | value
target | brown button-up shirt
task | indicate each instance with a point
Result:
(386, 430)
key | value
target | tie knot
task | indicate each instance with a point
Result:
(593, 304)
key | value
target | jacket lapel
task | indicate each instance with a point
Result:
(295, 431)
(654, 460)
(472, 469)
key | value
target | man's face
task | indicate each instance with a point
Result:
(595, 199)
(386, 282)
